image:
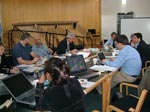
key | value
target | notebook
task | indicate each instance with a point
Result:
(78, 67)
(20, 89)
(105, 55)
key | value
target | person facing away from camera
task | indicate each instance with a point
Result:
(64, 94)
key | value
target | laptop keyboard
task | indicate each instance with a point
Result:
(28, 96)
(88, 75)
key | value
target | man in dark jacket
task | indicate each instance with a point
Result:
(67, 44)
(141, 47)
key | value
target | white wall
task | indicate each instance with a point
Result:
(110, 8)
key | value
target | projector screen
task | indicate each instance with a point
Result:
(142, 25)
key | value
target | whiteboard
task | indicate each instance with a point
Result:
(142, 25)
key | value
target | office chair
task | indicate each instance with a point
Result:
(134, 84)
(131, 102)
(147, 63)
(128, 103)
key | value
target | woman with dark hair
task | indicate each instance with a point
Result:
(64, 94)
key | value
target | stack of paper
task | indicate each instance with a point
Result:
(102, 68)
(85, 54)
(85, 83)
(24, 66)
(32, 69)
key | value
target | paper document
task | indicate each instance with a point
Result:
(32, 69)
(61, 57)
(85, 54)
(24, 66)
(108, 57)
(85, 83)
(103, 68)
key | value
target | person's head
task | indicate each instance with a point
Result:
(56, 70)
(137, 37)
(70, 37)
(113, 35)
(121, 41)
(37, 40)
(25, 37)
(2, 48)
(131, 36)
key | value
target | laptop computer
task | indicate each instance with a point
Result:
(78, 67)
(20, 89)
(101, 56)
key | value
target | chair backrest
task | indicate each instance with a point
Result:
(141, 101)
(145, 82)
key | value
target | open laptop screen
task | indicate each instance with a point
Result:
(17, 84)
(76, 64)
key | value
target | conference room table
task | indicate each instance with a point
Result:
(102, 79)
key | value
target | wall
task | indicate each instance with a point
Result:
(110, 8)
(87, 13)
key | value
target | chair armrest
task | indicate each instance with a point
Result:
(147, 63)
(127, 85)
(134, 96)
(143, 71)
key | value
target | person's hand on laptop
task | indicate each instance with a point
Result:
(14, 70)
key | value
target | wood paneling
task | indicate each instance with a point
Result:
(87, 12)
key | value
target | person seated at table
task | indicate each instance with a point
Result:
(67, 44)
(3, 66)
(40, 49)
(128, 60)
(140, 45)
(131, 41)
(110, 42)
(22, 51)
(64, 94)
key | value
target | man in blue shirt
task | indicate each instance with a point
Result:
(128, 60)
(22, 51)
(41, 50)
(110, 41)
